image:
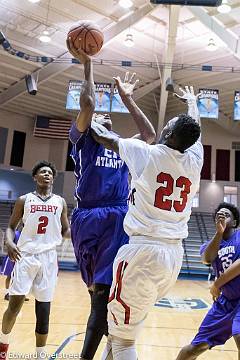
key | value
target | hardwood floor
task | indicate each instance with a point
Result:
(166, 330)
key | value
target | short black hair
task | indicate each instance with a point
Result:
(186, 130)
(234, 210)
(44, 163)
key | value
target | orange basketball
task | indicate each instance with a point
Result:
(87, 36)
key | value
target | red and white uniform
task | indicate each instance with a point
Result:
(37, 269)
(42, 224)
(164, 182)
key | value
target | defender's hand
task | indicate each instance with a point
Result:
(187, 94)
(126, 87)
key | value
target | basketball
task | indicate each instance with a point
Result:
(87, 36)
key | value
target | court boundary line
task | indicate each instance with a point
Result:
(64, 344)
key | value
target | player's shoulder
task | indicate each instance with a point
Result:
(25, 196)
(21, 200)
(60, 199)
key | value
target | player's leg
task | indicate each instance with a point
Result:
(8, 321)
(237, 341)
(43, 289)
(83, 234)
(107, 353)
(215, 329)
(133, 292)
(42, 312)
(123, 349)
(7, 282)
(191, 352)
(236, 329)
(111, 236)
(7, 268)
(22, 277)
(97, 322)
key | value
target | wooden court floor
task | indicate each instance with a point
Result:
(166, 329)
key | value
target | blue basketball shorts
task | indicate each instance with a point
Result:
(221, 323)
(97, 234)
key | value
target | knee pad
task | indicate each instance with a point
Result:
(97, 321)
(98, 315)
(42, 311)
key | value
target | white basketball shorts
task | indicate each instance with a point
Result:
(37, 274)
(143, 272)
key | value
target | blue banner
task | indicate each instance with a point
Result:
(236, 115)
(208, 104)
(103, 97)
(73, 95)
(117, 104)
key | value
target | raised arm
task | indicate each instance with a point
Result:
(17, 214)
(125, 89)
(190, 98)
(211, 250)
(104, 137)
(87, 97)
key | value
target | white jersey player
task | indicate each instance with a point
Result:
(45, 222)
(165, 178)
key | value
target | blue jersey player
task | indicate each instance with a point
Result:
(102, 192)
(223, 319)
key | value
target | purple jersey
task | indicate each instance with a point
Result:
(229, 251)
(101, 175)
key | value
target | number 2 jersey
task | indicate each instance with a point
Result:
(164, 182)
(42, 224)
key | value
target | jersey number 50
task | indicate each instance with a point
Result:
(162, 192)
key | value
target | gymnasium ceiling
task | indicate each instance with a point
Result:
(161, 34)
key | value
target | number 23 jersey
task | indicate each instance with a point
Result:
(164, 182)
(42, 224)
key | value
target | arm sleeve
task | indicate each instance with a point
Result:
(196, 152)
(203, 247)
(135, 153)
(76, 137)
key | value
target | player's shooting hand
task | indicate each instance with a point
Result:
(187, 94)
(126, 87)
(220, 223)
(13, 251)
(215, 292)
(79, 53)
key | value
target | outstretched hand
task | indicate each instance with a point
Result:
(77, 53)
(187, 94)
(126, 87)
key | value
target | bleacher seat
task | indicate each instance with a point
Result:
(201, 229)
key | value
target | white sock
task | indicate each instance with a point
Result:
(6, 291)
(4, 338)
(123, 349)
(40, 351)
(107, 353)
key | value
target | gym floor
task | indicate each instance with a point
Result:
(166, 329)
